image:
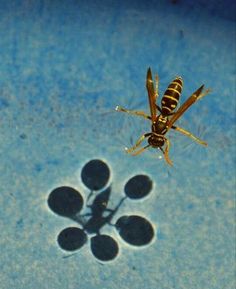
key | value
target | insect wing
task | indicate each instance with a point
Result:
(193, 98)
(151, 94)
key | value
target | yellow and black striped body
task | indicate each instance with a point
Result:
(171, 96)
(159, 128)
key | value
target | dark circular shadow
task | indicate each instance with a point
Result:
(71, 239)
(104, 247)
(135, 230)
(95, 174)
(138, 187)
(65, 201)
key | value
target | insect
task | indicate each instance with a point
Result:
(164, 121)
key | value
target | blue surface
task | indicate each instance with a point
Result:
(64, 66)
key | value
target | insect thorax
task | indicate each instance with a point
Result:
(159, 126)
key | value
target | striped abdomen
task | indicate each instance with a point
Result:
(171, 96)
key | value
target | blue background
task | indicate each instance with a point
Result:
(65, 65)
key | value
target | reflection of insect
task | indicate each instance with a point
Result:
(165, 120)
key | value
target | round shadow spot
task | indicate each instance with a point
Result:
(104, 247)
(138, 187)
(135, 230)
(71, 239)
(65, 201)
(95, 174)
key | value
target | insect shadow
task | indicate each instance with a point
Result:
(68, 202)
(99, 214)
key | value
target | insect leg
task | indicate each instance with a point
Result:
(187, 133)
(118, 205)
(114, 211)
(166, 152)
(140, 151)
(139, 141)
(134, 112)
(88, 198)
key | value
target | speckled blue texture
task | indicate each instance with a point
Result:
(65, 65)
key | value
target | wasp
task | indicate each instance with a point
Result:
(168, 115)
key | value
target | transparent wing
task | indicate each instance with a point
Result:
(193, 98)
